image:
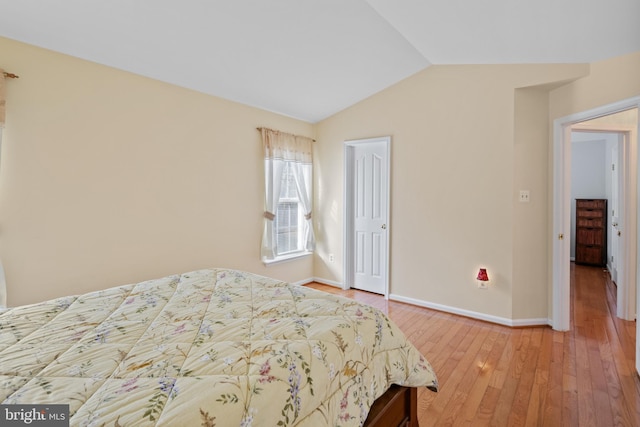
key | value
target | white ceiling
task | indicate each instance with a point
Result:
(312, 58)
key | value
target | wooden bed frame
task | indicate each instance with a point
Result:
(398, 406)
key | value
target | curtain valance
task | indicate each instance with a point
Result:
(286, 146)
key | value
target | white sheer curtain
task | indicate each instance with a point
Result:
(279, 149)
(3, 284)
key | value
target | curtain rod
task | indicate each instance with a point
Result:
(273, 130)
(10, 75)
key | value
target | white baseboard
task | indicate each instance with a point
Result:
(320, 280)
(303, 281)
(472, 314)
(514, 323)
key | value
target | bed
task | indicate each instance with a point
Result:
(212, 347)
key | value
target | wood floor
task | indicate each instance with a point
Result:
(499, 376)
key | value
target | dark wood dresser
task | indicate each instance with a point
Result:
(591, 231)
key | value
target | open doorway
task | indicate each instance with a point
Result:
(596, 178)
(595, 174)
(617, 141)
(628, 215)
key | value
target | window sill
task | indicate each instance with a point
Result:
(286, 258)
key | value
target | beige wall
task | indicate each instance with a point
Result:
(530, 236)
(109, 178)
(608, 81)
(463, 144)
(465, 140)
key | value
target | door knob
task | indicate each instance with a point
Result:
(384, 226)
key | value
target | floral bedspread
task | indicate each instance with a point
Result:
(212, 347)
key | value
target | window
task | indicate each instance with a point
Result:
(287, 227)
(288, 230)
(289, 221)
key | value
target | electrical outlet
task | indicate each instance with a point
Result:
(482, 285)
(525, 195)
(330, 257)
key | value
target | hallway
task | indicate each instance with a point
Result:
(601, 350)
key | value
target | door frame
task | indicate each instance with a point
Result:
(562, 210)
(348, 203)
(617, 184)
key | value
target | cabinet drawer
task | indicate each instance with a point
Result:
(586, 254)
(590, 213)
(590, 203)
(590, 236)
(590, 222)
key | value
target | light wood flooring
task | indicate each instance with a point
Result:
(500, 376)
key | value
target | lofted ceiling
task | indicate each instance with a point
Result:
(309, 59)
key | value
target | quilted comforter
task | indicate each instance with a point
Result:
(212, 347)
